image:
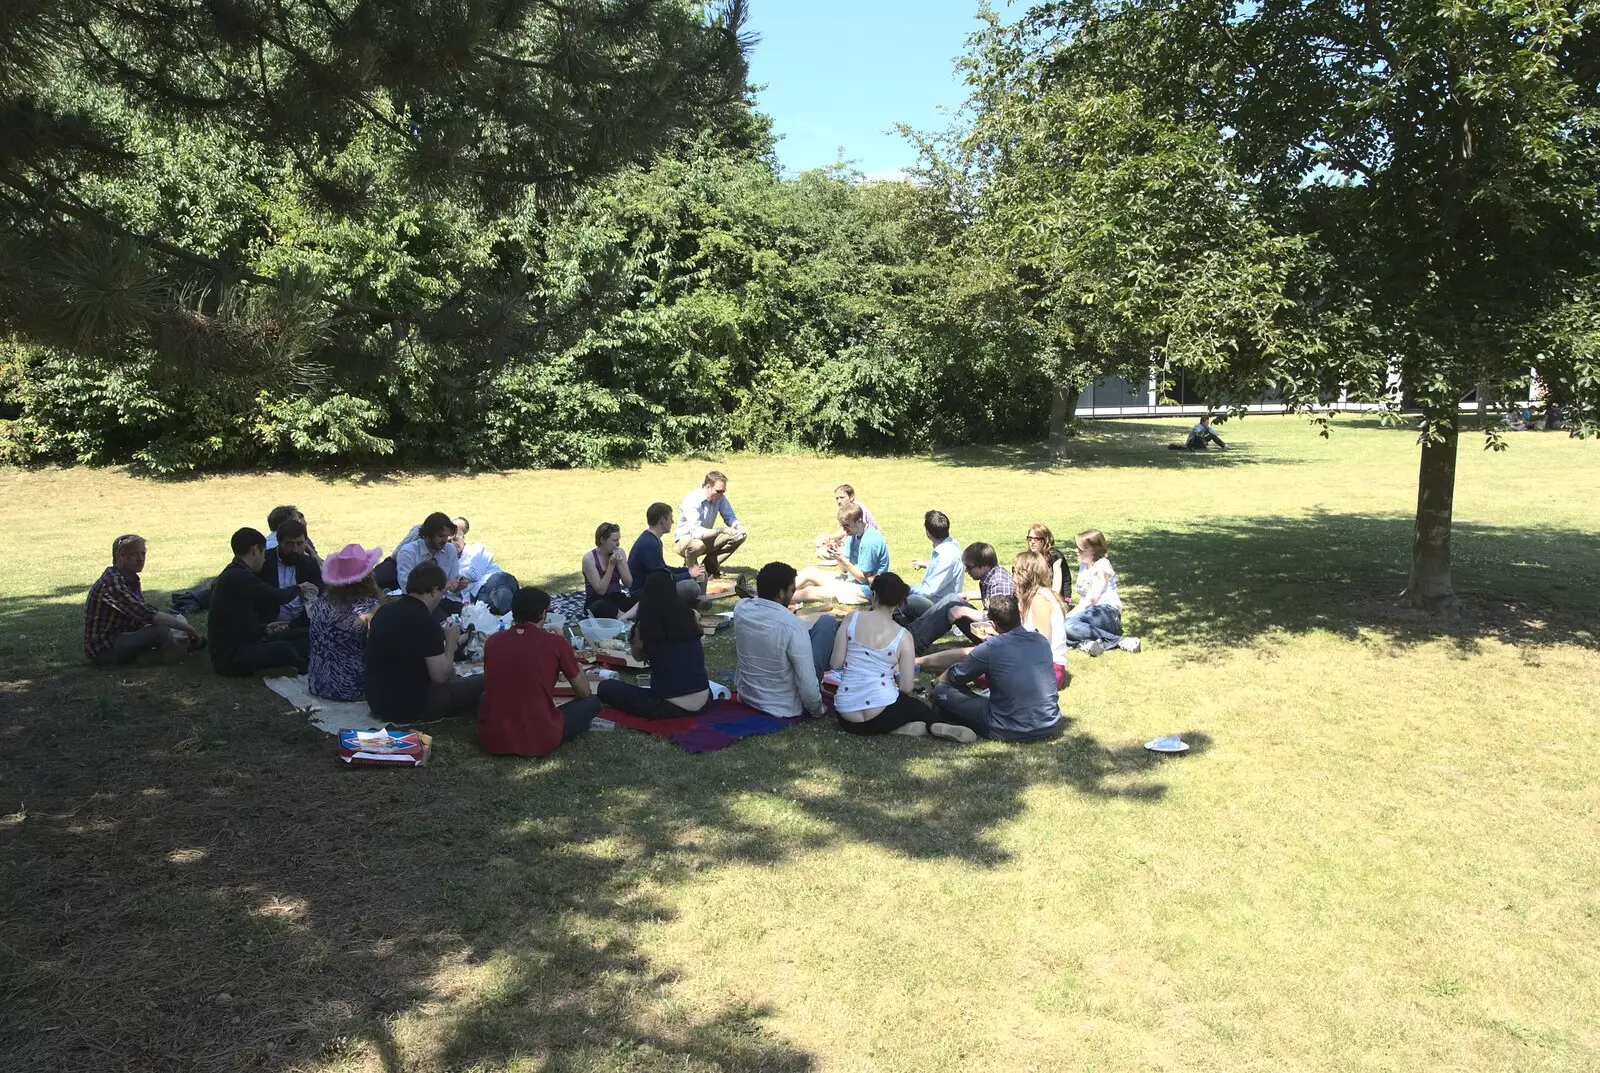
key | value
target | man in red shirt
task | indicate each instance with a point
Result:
(518, 715)
(119, 624)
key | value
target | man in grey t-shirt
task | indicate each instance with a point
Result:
(1021, 705)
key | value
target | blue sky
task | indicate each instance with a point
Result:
(843, 74)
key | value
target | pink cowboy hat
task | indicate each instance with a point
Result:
(350, 564)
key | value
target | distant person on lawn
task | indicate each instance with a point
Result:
(877, 664)
(1022, 704)
(1199, 436)
(828, 543)
(647, 555)
(486, 581)
(863, 556)
(666, 634)
(518, 715)
(119, 624)
(291, 564)
(411, 673)
(606, 577)
(983, 566)
(243, 629)
(941, 572)
(339, 619)
(1096, 621)
(697, 536)
(780, 661)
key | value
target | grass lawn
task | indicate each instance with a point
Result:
(1381, 854)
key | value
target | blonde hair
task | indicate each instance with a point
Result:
(1031, 572)
(126, 540)
(1093, 541)
(1044, 534)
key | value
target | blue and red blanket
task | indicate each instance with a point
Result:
(716, 726)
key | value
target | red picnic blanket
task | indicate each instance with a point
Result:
(716, 726)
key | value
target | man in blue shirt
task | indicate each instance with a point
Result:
(1023, 703)
(942, 573)
(696, 533)
(864, 556)
(647, 555)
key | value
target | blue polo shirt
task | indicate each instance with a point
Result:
(868, 553)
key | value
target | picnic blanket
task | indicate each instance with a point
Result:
(716, 726)
(329, 716)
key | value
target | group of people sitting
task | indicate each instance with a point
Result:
(278, 604)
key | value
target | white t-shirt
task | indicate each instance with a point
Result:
(1088, 576)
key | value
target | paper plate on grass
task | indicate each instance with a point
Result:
(1169, 744)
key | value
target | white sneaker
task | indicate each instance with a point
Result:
(953, 732)
(1092, 648)
(1129, 644)
(912, 730)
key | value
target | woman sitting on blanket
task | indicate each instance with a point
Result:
(1096, 622)
(1041, 540)
(1040, 608)
(666, 633)
(606, 578)
(339, 620)
(877, 662)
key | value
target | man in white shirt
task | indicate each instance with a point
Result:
(780, 661)
(942, 572)
(432, 544)
(486, 582)
(695, 535)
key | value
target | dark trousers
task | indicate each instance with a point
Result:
(960, 705)
(906, 709)
(577, 714)
(1198, 443)
(291, 648)
(618, 601)
(640, 702)
(131, 645)
(447, 607)
(459, 696)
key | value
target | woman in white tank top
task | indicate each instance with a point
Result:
(1040, 607)
(876, 660)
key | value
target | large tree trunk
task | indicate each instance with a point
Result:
(1430, 587)
(1063, 405)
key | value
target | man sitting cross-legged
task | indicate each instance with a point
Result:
(696, 536)
(411, 671)
(941, 573)
(518, 716)
(828, 543)
(243, 630)
(1022, 704)
(119, 624)
(983, 566)
(863, 557)
(780, 661)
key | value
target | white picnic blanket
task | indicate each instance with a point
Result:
(330, 716)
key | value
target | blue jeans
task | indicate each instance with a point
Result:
(934, 623)
(576, 715)
(822, 632)
(1096, 623)
(497, 590)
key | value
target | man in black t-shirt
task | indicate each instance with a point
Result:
(411, 661)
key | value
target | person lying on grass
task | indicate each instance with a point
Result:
(119, 624)
(1095, 622)
(863, 556)
(666, 634)
(877, 665)
(486, 581)
(518, 715)
(829, 543)
(1022, 704)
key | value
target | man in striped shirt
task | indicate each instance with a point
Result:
(119, 624)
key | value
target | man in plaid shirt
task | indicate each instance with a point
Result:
(119, 624)
(983, 566)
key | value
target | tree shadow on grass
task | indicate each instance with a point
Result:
(195, 882)
(1227, 583)
(1124, 444)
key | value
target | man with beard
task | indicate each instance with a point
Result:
(291, 563)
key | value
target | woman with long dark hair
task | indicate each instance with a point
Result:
(877, 661)
(666, 634)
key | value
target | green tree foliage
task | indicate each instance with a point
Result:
(1438, 160)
